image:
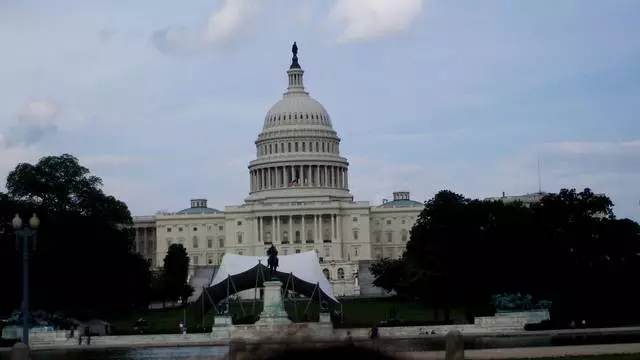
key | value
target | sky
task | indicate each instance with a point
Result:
(164, 99)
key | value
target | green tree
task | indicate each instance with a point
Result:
(176, 272)
(391, 275)
(583, 246)
(436, 259)
(84, 261)
(569, 248)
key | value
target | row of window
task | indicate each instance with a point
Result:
(388, 222)
(275, 119)
(195, 243)
(195, 228)
(298, 146)
(389, 253)
(327, 273)
(377, 235)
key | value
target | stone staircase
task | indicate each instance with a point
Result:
(202, 276)
(366, 281)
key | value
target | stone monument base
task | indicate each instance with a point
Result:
(273, 312)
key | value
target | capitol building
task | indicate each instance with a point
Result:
(299, 200)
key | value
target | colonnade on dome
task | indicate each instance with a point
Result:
(307, 175)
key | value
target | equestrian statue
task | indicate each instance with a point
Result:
(272, 260)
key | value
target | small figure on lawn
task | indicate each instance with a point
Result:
(272, 260)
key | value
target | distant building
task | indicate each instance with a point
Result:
(526, 199)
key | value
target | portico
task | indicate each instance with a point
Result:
(284, 229)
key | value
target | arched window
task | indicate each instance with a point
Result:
(195, 242)
(267, 237)
(285, 237)
(355, 234)
(326, 274)
(404, 234)
(297, 236)
(239, 237)
(310, 235)
(340, 274)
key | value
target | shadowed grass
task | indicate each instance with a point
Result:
(357, 313)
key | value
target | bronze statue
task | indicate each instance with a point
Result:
(272, 259)
(294, 49)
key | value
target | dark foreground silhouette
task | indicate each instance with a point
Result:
(311, 352)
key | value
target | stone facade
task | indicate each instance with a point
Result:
(299, 200)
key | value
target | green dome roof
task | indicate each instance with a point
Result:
(401, 203)
(198, 210)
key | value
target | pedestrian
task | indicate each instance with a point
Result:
(87, 334)
(374, 335)
(349, 338)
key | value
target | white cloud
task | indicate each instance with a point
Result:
(372, 19)
(35, 120)
(39, 113)
(229, 20)
(223, 25)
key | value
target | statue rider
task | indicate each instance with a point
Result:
(272, 260)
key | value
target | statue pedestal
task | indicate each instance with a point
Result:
(273, 311)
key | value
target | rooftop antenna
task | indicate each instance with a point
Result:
(539, 177)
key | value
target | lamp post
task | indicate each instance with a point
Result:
(25, 232)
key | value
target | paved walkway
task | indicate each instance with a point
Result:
(534, 352)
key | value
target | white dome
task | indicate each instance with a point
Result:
(297, 109)
(298, 151)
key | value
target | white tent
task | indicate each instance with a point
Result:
(300, 272)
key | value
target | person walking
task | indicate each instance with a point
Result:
(374, 335)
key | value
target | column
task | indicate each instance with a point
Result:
(309, 182)
(326, 176)
(346, 178)
(276, 238)
(259, 229)
(291, 237)
(317, 167)
(338, 228)
(315, 228)
(271, 177)
(256, 229)
(333, 228)
(300, 177)
(273, 228)
(255, 180)
(287, 177)
(277, 176)
(303, 235)
(335, 176)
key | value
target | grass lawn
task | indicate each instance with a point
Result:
(359, 312)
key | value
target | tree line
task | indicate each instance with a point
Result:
(83, 262)
(568, 249)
